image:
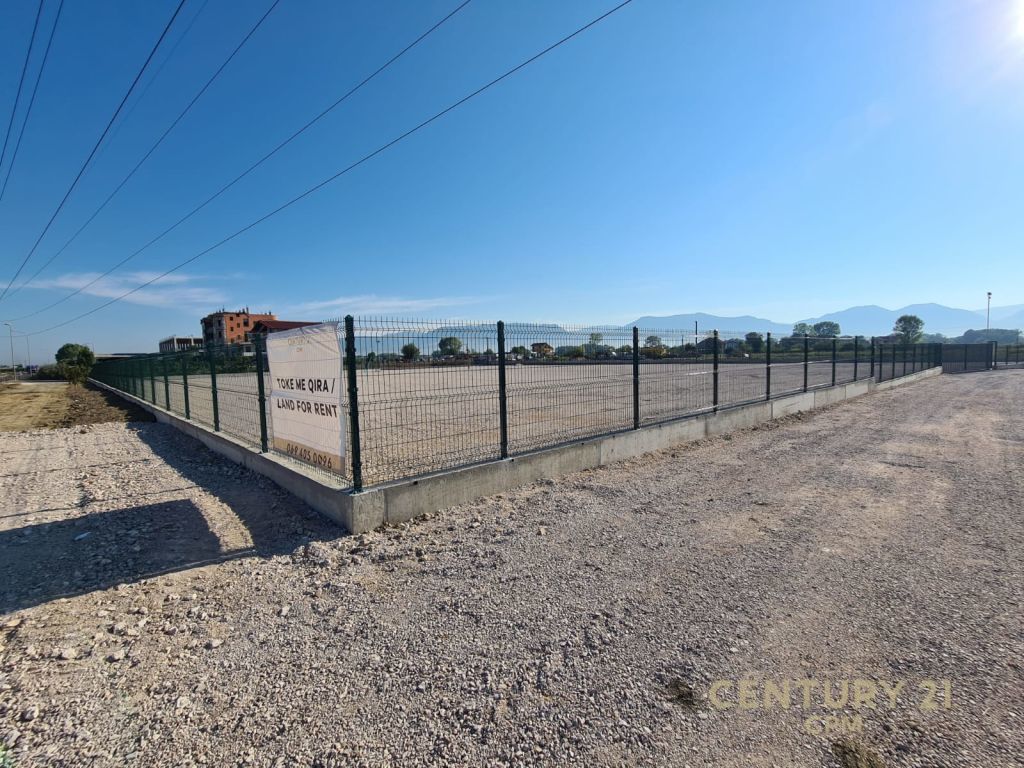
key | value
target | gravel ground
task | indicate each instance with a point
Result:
(161, 607)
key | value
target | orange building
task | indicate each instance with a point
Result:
(231, 327)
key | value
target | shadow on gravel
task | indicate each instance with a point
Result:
(47, 561)
(277, 522)
(71, 557)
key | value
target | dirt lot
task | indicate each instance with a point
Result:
(51, 404)
(161, 607)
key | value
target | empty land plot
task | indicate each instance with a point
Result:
(163, 607)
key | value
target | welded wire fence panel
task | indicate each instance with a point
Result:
(428, 396)
(957, 358)
(676, 374)
(566, 383)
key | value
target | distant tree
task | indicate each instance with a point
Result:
(652, 341)
(626, 350)
(449, 346)
(653, 347)
(596, 338)
(542, 349)
(75, 361)
(571, 351)
(909, 328)
(802, 329)
(371, 359)
(410, 351)
(754, 341)
(1000, 335)
(520, 350)
(826, 329)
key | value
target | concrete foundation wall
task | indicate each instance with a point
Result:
(402, 501)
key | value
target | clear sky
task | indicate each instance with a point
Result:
(775, 159)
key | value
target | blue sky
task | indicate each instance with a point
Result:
(781, 160)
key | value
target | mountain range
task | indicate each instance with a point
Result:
(870, 320)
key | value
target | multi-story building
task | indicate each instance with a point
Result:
(264, 327)
(180, 343)
(231, 327)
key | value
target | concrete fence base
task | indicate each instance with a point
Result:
(401, 501)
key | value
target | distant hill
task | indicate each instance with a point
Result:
(705, 322)
(877, 321)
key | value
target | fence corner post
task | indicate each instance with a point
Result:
(768, 366)
(502, 391)
(872, 373)
(353, 402)
(714, 374)
(261, 393)
(856, 355)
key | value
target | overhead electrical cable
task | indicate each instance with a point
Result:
(156, 75)
(99, 141)
(21, 81)
(152, 149)
(339, 174)
(32, 100)
(244, 173)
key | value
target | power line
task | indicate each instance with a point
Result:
(93, 152)
(32, 100)
(21, 81)
(342, 172)
(152, 149)
(156, 75)
(247, 171)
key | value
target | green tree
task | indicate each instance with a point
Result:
(826, 329)
(803, 329)
(76, 354)
(75, 361)
(626, 350)
(909, 328)
(449, 346)
(410, 351)
(652, 341)
(754, 341)
(595, 339)
(520, 350)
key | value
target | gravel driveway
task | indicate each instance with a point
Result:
(159, 606)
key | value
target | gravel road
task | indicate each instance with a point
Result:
(159, 606)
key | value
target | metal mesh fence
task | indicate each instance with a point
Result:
(434, 395)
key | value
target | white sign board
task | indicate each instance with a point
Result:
(305, 395)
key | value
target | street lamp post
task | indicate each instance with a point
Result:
(14, 369)
(988, 311)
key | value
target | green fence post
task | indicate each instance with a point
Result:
(835, 344)
(892, 370)
(714, 374)
(502, 394)
(856, 355)
(636, 377)
(184, 383)
(167, 383)
(261, 396)
(806, 351)
(152, 382)
(872, 373)
(768, 367)
(213, 389)
(353, 402)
